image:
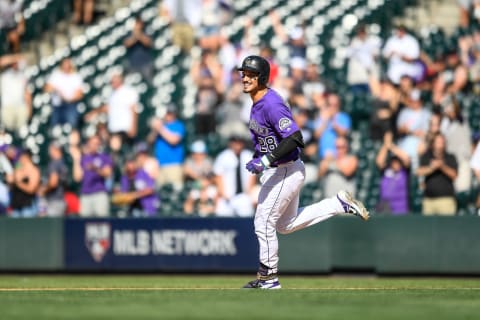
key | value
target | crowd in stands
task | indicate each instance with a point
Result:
(417, 121)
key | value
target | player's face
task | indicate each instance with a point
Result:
(250, 81)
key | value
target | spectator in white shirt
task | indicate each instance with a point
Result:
(362, 53)
(121, 110)
(66, 88)
(475, 165)
(402, 51)
(17, 104)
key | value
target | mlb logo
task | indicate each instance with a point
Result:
(97, 239)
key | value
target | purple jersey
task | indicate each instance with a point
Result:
(142, 180)
(270, 122)
(92, 181)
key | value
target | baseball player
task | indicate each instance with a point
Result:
(277, 141)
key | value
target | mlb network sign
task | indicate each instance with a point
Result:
(161, 244)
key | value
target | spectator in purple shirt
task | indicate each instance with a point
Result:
(394, 164)
(141, 187)
(92, 168)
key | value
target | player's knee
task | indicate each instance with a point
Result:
(284, 230)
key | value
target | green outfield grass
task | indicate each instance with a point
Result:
(218, 297)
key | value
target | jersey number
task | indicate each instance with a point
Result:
(267, 144)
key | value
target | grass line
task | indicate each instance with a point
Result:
(63, 289)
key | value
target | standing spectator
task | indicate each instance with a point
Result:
(402, 51)
(338, 169)
(52, 191)
(184, 17)
(412, 125)
(139, 186)
(433, 130)
(362, 52)
(167, 136)
(309, 152)
(26, 181)
(121, 110)
(66, 87)
(295, 38)
(16, 106)
(393, 162)
(207, 74)
(145, 161)
(234, 183)
(454, 127)
(466, 8)
(330, 124)
(92, 169)
(83, 11)
(139, 50)
(6, 178)
(440, 171)
(475, 165)
(12, 22)
(452, 80)
(198, 165)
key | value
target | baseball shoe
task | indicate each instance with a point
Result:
(351, 205)
(271, 283)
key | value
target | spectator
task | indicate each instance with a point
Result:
(402, 51)
(139, 187)
(92, 168)
(475, 165)
(466, 8)
(121, 111)
(234, 183)
(295, 38)
(167, 136)
(145, 161)
(24, 187)
(83, 11)
(362, 54)
(452, 80)
(139, 50)
(66, 87)
(12, 22)
(184, 17)
(440, 171)
(338, 169)
(385, 106)
(52, 191)
(412, 125)
(209, 31)
(455, 129)
(330, 124)
(393, 162)
(433, 130)
(198, 165)
(207, 74)
(16, 106)
(203, 198)
(6, 178)
(312, 85)
(309, 152)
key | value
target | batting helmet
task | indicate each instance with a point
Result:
(259, 65)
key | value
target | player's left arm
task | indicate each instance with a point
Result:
(287, 145)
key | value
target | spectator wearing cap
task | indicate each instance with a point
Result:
(203, 197)
(393, 163)
(16, 106)
(92, 168)
(140, 188)
(121, 110)
(412, 125)
(330, 124)
(362, 54)
(53, 189)
(439, 169)
(167, 136)
(452, 79)
(24, 187)
(198, 164)
(139, 50)
(66, 88)
(145, 161)
(295, 38)
(402, 51)
(234, 183)
(454, 127)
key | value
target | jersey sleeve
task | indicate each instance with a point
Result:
(280, 118)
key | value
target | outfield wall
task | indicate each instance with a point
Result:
(385, 245)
